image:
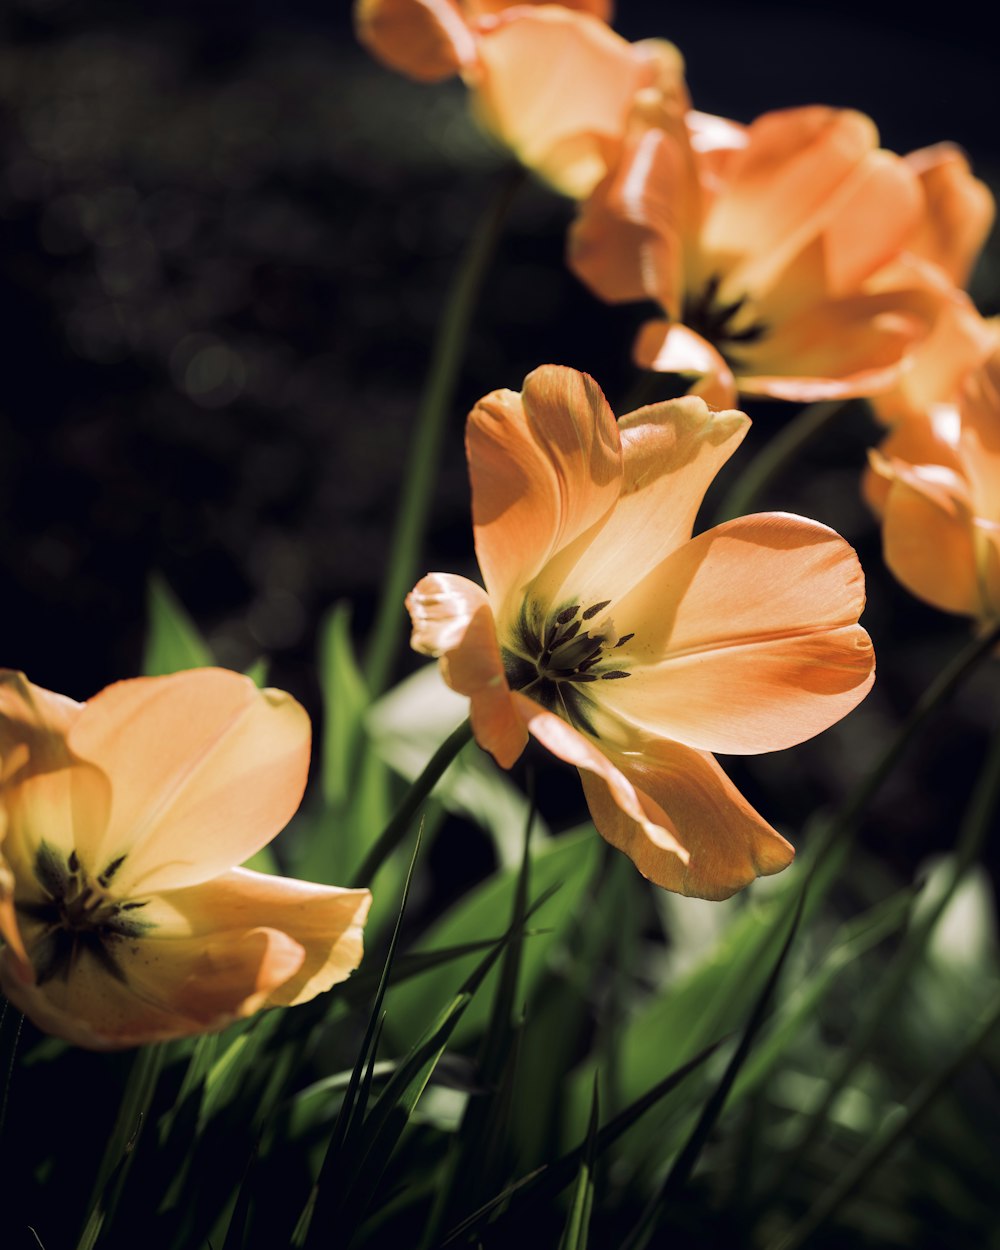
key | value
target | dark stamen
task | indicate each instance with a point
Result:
(105, 877)
(624, 638)
(567, 614)
(617, 672)
(594, 609)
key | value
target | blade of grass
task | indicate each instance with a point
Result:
(549, 1179)
(352, 1108)
(683, 1164)
(860, 1170)
(425, 449)
(395, 830)
(582, 1200)
(132, 1113)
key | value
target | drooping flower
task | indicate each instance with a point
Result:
(124, 917)
(792, 258)
(629, 648)
(553, 83)
(935, 481)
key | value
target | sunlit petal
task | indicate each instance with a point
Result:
(425, 39)
(746, 638)
(668, 347)
(546, 465)
(453, 621)
(204, 770)
(959, 210)
(686, 792)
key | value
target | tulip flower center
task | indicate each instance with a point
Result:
(557, 659)
(722, 324)
(78, 916)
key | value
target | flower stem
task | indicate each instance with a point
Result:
(425, 449)
(395, 831)
(774, 457)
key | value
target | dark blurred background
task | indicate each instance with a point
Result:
(226, 238)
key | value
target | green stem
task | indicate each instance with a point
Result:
(864, 1164)
(425, 450)
(774, 457)
(395, 831)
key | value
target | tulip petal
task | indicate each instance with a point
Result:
(959, 210)
(660, 845)
(452, 620)
(745, 638)
(668, 347)
(327, 922)
(556, 87)
(169, 987)
(36, 770)
(928, 536)
(545, 465)
(204, 770)
(672, 452)
(425, 39)
(686, 792)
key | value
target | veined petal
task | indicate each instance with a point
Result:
(728, 844)
(36, 770)
(660, 847)
(672, 452)
(959, 210)
(928, 536)
(668, 347)
(171, 987)
(628, 241)
(204, 770)
(840, 347)
(327, 922)
(545, 465)
(556, 87)
(425, 39)
(746, 638)
(452, 620)
(780, 184)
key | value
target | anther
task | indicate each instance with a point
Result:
(73, 862)
(615, 673)
(105, 877)
(623, 639)
(595, 608)
(567, 614)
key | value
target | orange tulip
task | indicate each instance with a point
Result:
(553, 83)
(121, 822)
(433, 39)
(936, 484)
(778, 252)
(629, 648)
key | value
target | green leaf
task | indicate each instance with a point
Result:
(420, 711)
(173, 642)
(567, 861)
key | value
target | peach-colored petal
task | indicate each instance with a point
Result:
(481, 8)
(36, 770)
(628, 241)
(672, 452)
(667, 347)
(168, 987)
(452, 620)
(959, 210)
(781, 184)
(204, 770)
(928, 537)
(687, 793)
(327, 922)
(425, 39)
(838, 348)
(928, 439)
(545, 465)
(9, 930)
(745, 638)
(959, 341)
(556, 87)
(979, 407)
(568, 744)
